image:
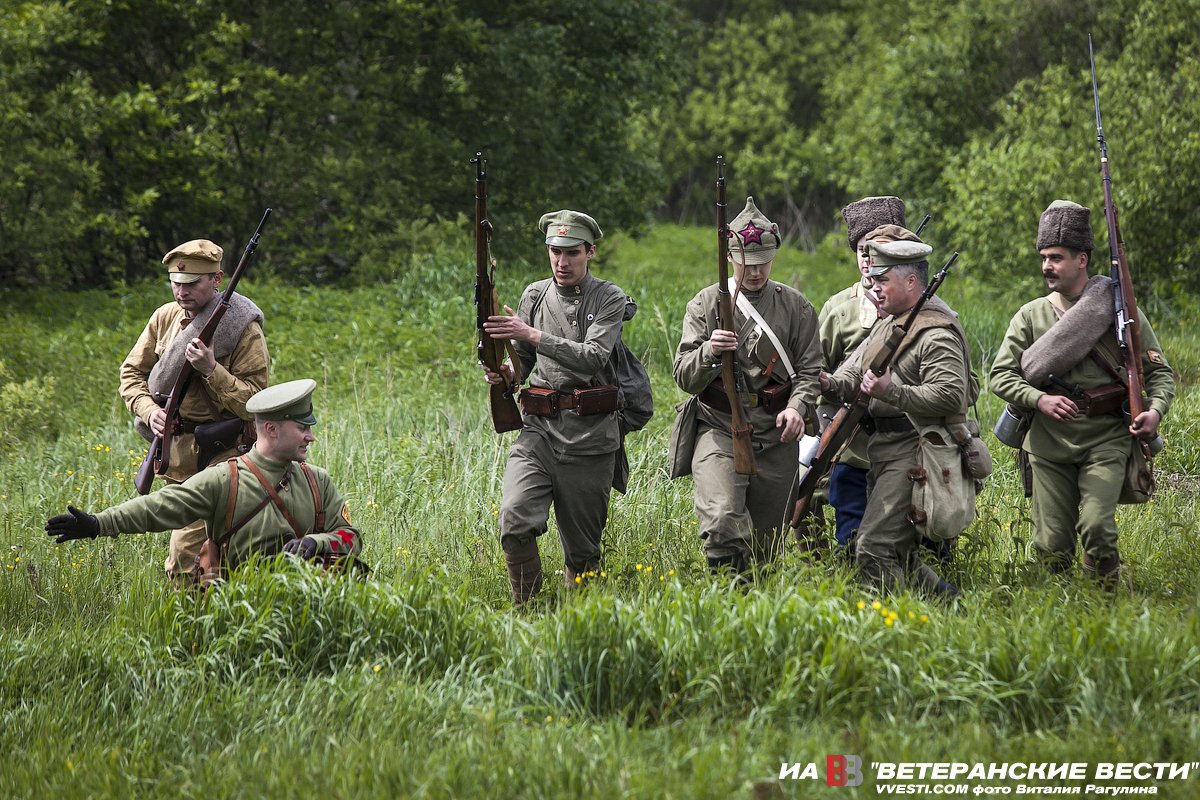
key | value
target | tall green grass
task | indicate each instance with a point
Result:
(654, 680)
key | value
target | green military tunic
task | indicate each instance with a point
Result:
(930, 380)
(566, 460)
(845, 320)
(236, 378)
(745, 514)
(1078, 464)
(205, 497)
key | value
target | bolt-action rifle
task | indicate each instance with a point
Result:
(1124, 302)
(849, 417)
(505, 414)
(743, 447)
(158, 457)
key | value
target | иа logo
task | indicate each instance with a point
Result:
(843, 770)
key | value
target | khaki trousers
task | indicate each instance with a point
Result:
(577, 486)
(1078, 500)
(887, 547)
(743, 514)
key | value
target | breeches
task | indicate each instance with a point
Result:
(1078, 500)
(577, 486)
(886, 552)
(745, 514)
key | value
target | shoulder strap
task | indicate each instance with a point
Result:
(274, 495)
(233, 491)
(747, 308)
(234, 527)
(318, 504)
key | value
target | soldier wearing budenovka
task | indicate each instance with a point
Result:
(265, 502)
(923, 395)
(565, 329)
(235, 367)
(742, 518)
(1077, 460)
(844, 321)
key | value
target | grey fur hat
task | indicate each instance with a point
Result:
(1066, 224)
(863, 216)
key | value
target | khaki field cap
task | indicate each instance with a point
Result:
(892, 245)
(291, 400)
(186, 263)
(753, 238)
(568, 228)
(1065, 224)
(863, 216)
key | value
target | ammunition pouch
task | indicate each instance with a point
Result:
(541, 402)
(772, 398)
(1097, 401)
(214, 438)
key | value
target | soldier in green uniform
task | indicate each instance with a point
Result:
(564, 331)
(228, 372)
(1078, 460)
(845, 320)
(265, 502)
(742, 518)
(929, 380)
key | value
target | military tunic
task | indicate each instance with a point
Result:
(205, 497)
(930, 381)
(746, 514)
(845, 320)
(1078, 464)
(565, 460)
(236, 378)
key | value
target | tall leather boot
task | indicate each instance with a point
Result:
(524, 571)
(1106, 573)
(574, 578)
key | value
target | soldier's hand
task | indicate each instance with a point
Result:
(792, 423)
(723, 341)
(75, 524)
(1057, 407)
(158, 421)
(201, 357)
(1145, 425)
(876, 385)
(304, 547)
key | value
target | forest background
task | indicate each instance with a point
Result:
(129, 127)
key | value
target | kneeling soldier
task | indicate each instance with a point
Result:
(259, 503)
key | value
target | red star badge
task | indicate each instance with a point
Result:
(751, 234)
(563, 230)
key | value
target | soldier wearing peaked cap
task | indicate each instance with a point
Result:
(844, 322)
(742, 518)
(564, 330)
(266, 502)
(228, 372)
(1076, 453)
(927, 388)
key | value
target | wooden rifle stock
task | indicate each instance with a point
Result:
(743, 446)
(158, 457)
(505, 414)
(848, 418)
(1128, 329)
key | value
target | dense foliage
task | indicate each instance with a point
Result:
(129, 127)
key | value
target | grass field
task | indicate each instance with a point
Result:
(655, 681)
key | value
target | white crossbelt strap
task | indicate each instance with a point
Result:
(750, 311)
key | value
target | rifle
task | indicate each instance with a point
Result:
(158, 457)
(1124, 302)
(743, 448)
(505, 414)
(848, 418)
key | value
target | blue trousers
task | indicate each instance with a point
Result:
(848, 496)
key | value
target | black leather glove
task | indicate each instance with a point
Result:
(75, 524)
(304, 547)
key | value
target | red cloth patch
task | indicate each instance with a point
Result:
(346, 536)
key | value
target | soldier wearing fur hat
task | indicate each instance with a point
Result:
(845, 320)
(928, 384)
(742, 518)
(564, 329)
(266, 502)
(1077, 455)
(227, 374)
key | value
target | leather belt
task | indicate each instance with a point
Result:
(715, 396)
(887, 425)
(188, 425)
